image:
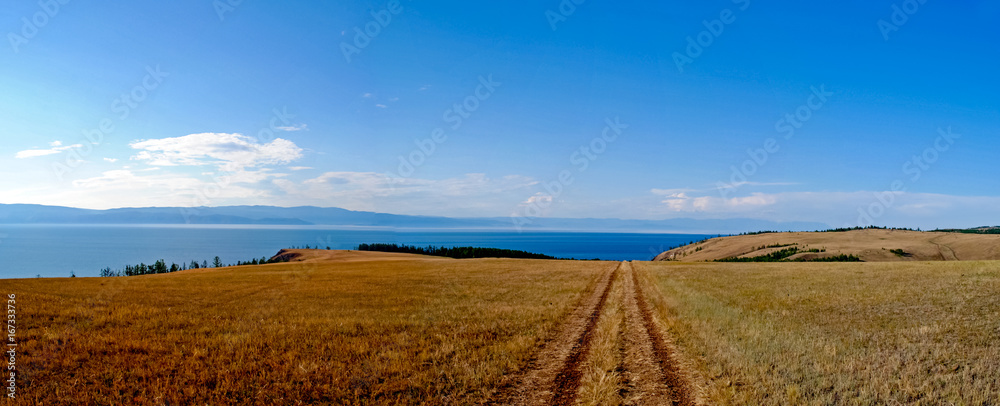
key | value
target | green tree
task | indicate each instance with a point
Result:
(159, 267)
(217, 263)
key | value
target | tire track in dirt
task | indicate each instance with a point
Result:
(646, 384)
(947, 253)
(568, 380)
(664, 354)
(554, 376)
(648, 366)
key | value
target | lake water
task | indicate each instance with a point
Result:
(58, 250)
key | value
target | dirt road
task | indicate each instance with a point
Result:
(611, 350)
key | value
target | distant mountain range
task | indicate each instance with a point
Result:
(304, 216)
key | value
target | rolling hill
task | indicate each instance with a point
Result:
(868, 245)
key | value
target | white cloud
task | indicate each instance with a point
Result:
(57, 147)
(298, 127)
(368, 96)
(299, 168)
(112, 160)
(538, 198)
(230, 152)
(381, 106)
(537, 205)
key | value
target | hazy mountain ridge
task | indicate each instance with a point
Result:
(309, 215)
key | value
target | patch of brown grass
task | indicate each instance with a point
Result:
(407, 331)
(857, 334)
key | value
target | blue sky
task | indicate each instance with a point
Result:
(253, 102)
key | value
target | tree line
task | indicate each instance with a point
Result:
(845, 229)
(784, 254)
(160, 266)
(977, 230)
(454, 252)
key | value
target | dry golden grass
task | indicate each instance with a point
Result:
(869, 245)
(923, 333)
(405, 331)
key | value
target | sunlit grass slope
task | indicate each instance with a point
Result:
(399, 330)
(853, 334)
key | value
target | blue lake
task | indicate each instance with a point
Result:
(27, 251)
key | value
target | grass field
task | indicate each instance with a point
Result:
(403, 331)
(382, 328)
(856, 334)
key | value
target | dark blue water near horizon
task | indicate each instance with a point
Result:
(27, 251)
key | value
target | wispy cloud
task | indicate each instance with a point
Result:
(668, 192)
(745, 183)
(908, 209)
(56, 147)
(469, 195)
(135, 189)
(299, 127)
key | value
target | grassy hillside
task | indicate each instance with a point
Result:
(337, 328)
(868, 245)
